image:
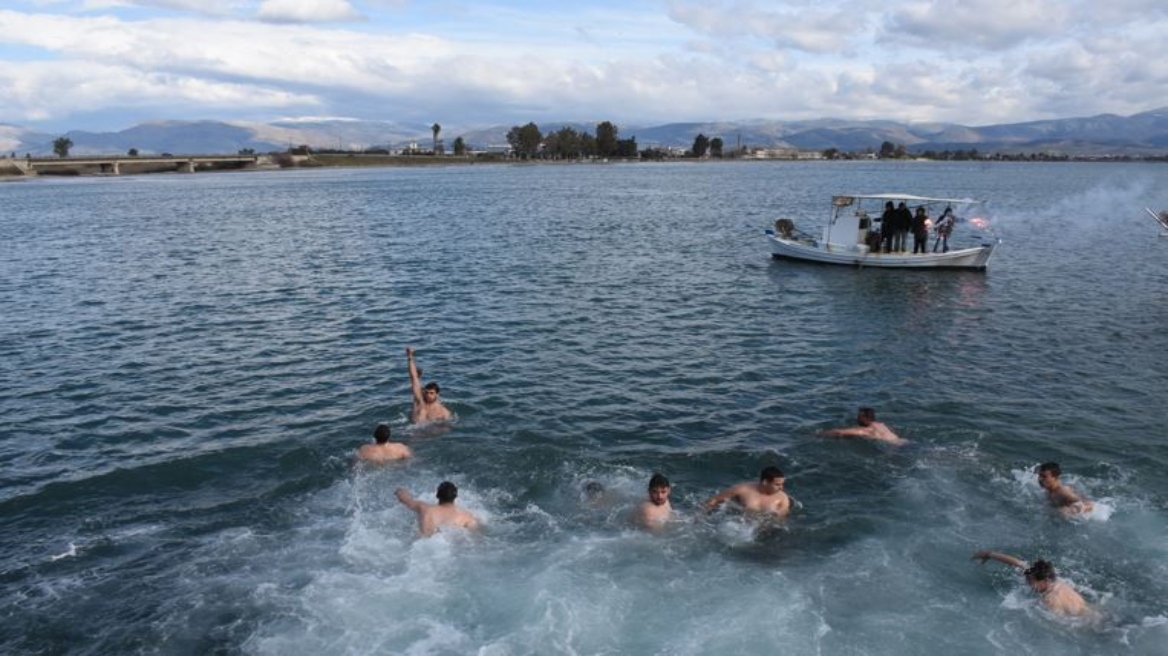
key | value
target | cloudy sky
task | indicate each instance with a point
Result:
(110, 64)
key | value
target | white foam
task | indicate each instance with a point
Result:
(68, 553)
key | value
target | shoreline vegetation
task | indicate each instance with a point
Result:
(526, 144)
(302, 158)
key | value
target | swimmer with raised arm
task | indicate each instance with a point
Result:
(1058, 596)
(766, 497)
(427, 407)
(1061, 496)
(382, 450)
(432, 517)
(656, 510)
(868, 428)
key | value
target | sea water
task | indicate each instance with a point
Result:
(190, 361)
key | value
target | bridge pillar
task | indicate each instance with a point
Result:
(189, 166)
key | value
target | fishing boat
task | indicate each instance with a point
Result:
(1161, 218)
(851, 235)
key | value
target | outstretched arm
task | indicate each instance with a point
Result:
(985, 554)
(720, 498)
(415, 381)
(407, 499)
(858, 431)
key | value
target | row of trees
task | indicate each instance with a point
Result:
(528, 142)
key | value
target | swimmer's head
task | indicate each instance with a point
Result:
(593, 490)
(659, 488)
(447, 492)
(866, 416)
(1040, 575)
(770, 473)
(381, 433)
(430, 392)
(1048, 474)
(771, 479)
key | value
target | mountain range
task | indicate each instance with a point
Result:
(1143, 134)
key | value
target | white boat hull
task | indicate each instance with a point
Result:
(975, 259)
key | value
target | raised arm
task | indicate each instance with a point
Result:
(985, 554)
(415, 381)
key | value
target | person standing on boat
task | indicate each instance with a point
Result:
(888, 225)
(903, 223)
(944, 229)
(920, 230)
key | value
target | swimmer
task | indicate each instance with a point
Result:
(868, 428)
(383, 450)
(427, 407)
(654, 512)
(432, 517)
(1058, 596)
(764, 497)
(1061, 496)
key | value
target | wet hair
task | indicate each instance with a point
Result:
(447, 492)
(1041, 570)
(433, 386)
(593, 489)
(381, 433)
(770, 473)
(1052, 467)
(658, 480)
(868, 413)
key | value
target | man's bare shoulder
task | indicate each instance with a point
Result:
(382, 453)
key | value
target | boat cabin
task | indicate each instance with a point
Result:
(849, 226)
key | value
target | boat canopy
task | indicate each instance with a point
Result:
(844, 201)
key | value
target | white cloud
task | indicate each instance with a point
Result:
(970, 62)
(307, 11)
(49, 90)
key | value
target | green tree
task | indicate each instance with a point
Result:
(525, 140)
(606, 139)
(562, 144)
(626, 147)
(701, 144)
(716, 147)
(61, 146)
(887, 150)
(133, 152)
(435, 129)
(459, 146)
(831, 153)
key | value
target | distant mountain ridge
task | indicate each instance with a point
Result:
(1140, 134)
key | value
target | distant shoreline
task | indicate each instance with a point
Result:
(11, 169)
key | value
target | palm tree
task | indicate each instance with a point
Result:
(435, 129)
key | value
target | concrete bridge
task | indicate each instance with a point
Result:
(113, 165)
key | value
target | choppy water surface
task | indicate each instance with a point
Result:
(189, 362)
